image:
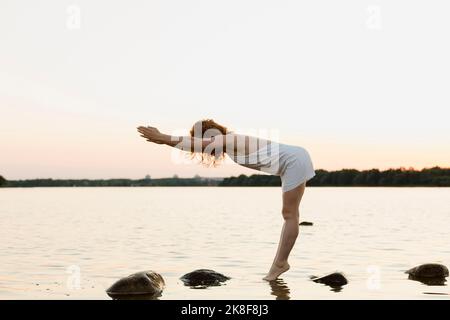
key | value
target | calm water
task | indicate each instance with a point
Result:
(49, 236)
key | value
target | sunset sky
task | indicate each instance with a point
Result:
(360, 84)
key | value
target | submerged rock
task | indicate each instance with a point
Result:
(203, 278)
(429, 273)
(147, 284)
(305, 223)
(334, 280)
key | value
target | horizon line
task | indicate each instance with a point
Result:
(176, 176)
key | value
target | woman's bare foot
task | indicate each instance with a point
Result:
(276, 270)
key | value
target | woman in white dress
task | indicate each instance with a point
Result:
(211, 141)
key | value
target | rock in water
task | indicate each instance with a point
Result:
(428, 271)
(305, 223)
(145, 283)
(203, 278)
(334, 280)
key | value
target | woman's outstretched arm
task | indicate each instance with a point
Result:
(185, 143)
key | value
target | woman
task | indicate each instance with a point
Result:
(211, 141)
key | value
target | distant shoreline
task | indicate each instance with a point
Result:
(137, 187)
(430, 177)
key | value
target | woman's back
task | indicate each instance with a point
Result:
(268, 156)
(244, 145)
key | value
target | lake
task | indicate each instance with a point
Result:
(73, 243)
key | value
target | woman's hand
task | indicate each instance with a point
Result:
(151, 134)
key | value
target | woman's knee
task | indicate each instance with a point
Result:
(290, 213)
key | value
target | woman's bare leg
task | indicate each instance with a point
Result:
(289, 233)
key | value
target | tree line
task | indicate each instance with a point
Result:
(433, 177)
(164, 182)
(2, 181)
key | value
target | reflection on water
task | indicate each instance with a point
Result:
(372, 234)
(429, 281)
(279, 289)
(136, 297)
(336, 289)
(202, 286)
(437, 293)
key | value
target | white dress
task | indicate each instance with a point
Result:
(292, 163)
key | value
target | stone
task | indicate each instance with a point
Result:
(203, 278)
(334, 280)
(147, 284)
(429, 273)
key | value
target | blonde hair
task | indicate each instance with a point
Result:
(208, 128)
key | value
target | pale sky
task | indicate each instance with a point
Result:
(360, 84)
